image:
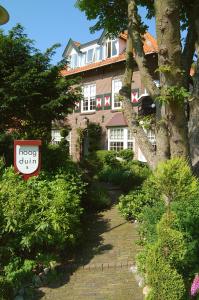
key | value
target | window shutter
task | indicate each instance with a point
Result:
(77, 106)
(107, 101)
(135, 97)
(99, 100)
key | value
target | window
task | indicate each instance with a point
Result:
(55, 136)
(83, 59)
(90, 56)
(111, 48)
(151, 137)
(116, 86)
(120, 138)
(74, 61)
(89, 101)
(99, 53)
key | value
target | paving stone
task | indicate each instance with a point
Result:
(102, 268)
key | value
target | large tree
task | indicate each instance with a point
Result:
(174, 136)
(32, 91)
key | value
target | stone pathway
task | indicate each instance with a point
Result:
(100, 270)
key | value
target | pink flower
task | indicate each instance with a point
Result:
(195, 285)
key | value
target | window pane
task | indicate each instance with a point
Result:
(92, 90)
(74, 59)
(99, 53)
(117, 84)
(116, 146)
(90, 55)
(114, 48)
(116, 134)
(130, 145)
(85, 104)
(92, 103)
(130, 135)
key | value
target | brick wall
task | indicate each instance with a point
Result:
(102, 77)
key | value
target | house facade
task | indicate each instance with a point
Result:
(101, 65)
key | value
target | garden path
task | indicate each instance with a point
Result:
(101, 269)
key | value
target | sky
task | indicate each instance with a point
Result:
(48, 22)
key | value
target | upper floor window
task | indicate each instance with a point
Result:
(74, 61)
(90, 56)
(111, 48)
(89, 101)
(99, 53)
(116, 86)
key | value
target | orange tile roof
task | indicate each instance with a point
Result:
(150, 46)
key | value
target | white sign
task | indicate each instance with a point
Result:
(27, 158)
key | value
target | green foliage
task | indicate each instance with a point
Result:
(174, 94)
(169, 231)
(19, 272)
(98, 196)
(55, 157)
(126, 154)
(39, 216)
(6, 289)
(127, 174)
(33, 92)
(94, 132)
(45, 212)
(175, 180)
(132, 205)
(110, 159)
(162, 260)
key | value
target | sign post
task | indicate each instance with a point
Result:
(27, 157)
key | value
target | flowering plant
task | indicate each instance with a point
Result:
(195, 286)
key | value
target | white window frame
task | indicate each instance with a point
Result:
(89, 96)
(93, 56)
(77, 65)
(124, 139)
(111, 50)
(115, 93)
(55, 136)
(101, 50)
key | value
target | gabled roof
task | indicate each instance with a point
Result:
(150, 46)
(72, 44)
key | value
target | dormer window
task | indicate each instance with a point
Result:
(74, 61)
(111, 48)
(99, 53)
(90, 56)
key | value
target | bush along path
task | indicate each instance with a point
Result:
(101, 269)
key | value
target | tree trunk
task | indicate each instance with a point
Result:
(170, 66)
(194, 110)
(130, 115)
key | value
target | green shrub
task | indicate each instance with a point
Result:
(54, 157)
(174, 179)
(6, 289)
(132, 205)
(100, 155)
(126, 154)
(40, 213)
(98, 196)
(110, 159)
(19, 272)
(162, 261)
(170, 252)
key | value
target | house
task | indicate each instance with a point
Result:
(101, 64)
